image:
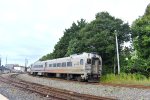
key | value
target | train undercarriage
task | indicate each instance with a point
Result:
(78, 77)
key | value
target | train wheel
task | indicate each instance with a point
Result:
(68, 77)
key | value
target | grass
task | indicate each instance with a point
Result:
(123, 78)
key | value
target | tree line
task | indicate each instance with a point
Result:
(99, 36)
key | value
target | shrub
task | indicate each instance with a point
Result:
(124, 78)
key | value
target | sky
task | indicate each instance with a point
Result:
(30, 29)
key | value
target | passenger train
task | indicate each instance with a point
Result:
(85, 66)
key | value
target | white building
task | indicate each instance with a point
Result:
(19, 68)
(15, 67)
(11, 66)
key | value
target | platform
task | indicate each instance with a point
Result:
(3, 97)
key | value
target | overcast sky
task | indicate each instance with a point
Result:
(30, 28)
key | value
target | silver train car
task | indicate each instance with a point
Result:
(85, 66)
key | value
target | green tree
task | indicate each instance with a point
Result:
(99, 36)
(141, 34)
(141, 42)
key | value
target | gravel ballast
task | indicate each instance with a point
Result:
(14, 93)
(122, 93)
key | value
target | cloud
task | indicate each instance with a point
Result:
(41, 27)
(8, 16)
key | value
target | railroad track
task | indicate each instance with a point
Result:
(97, 83)
(49, 92)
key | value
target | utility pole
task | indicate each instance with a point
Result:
(117, 52)
(6, 60)
(0, 61)
(26, 63)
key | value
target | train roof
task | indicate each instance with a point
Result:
(84, 54)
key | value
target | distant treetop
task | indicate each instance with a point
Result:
(147, 12)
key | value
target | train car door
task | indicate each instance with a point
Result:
(45, 66)
(95, 65)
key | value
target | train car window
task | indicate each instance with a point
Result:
(58, 64)
(38, 66)
(64, 64)
(54, 65)
(88, 61)
(69, 64)
(81, 62)
(50, 65)
(41, 66)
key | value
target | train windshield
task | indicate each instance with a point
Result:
(96, 61)
(88, 61)
(93, 61)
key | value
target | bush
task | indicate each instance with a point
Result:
(138, 66)
(124, 78)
